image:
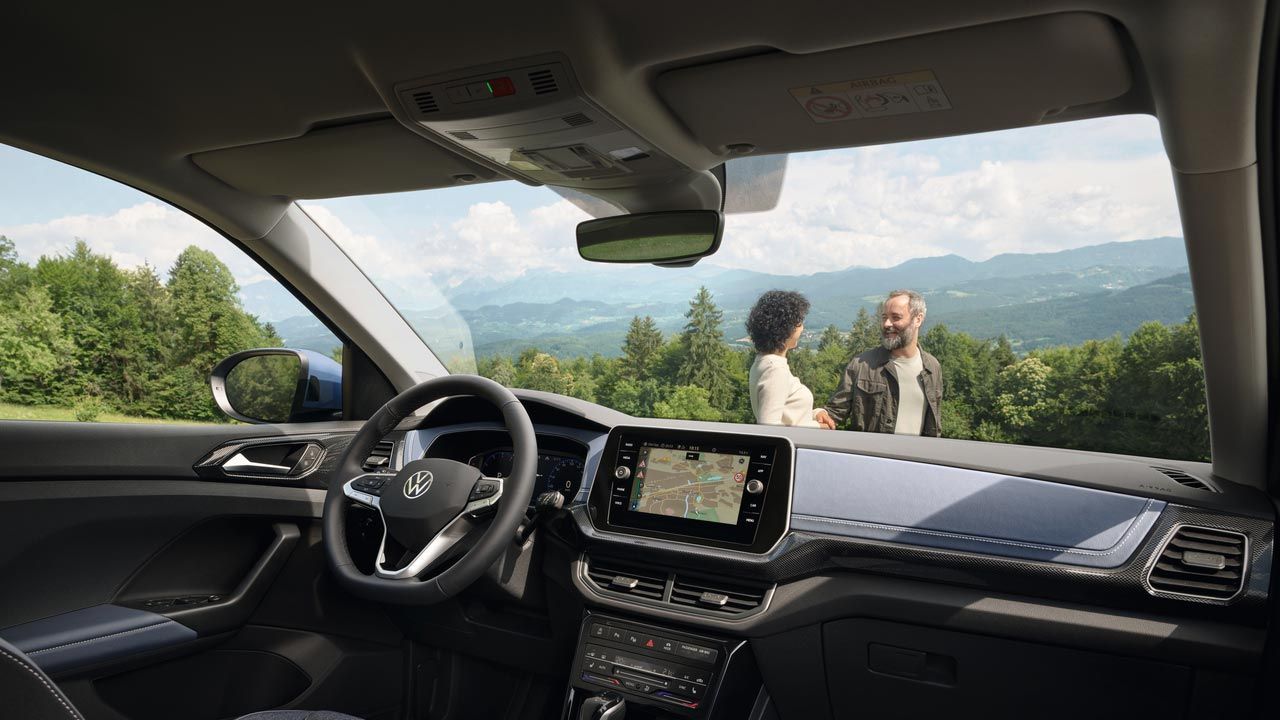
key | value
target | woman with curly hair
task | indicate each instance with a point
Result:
(778, 397)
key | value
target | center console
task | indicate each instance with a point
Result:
(659, 672)
(719, 490)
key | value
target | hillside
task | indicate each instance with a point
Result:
(1035, 299)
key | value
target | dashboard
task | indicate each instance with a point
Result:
(683, 542)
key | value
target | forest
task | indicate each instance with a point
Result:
(1143, 395)
(77, 330)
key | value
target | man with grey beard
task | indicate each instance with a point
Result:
(894, 388)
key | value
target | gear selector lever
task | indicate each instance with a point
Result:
(605, 706)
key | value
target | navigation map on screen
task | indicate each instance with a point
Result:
(693, 485)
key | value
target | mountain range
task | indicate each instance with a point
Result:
(1035, 299)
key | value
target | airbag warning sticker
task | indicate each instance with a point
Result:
(900, 94)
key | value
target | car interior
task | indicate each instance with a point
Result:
(452, 549)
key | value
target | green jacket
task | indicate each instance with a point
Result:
(868, 393)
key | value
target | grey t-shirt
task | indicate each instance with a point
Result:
(911, 401)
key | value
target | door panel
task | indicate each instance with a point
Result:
(152, 590)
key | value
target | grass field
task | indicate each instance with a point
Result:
(9, 411)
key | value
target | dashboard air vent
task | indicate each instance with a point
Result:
(1183, 478)
(630, 580)
(543, 82)
(425, 101)
(1200, 562)
(380, 458)
(714, 595)
(576, 120)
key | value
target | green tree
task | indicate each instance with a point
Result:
(209, 325)
(686, 402)
(151, 343)
(641, 347)
(500, 370)
(831, 337)
(14, 274)
(35, 352)
(541, 371)
(1021, 394)
(702, 343)
(864, 334)
(91, 296)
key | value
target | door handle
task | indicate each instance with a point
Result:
(240, 463)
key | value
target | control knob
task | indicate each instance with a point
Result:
(622, 472)
(755, 487)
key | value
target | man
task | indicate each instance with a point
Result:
(894, 388)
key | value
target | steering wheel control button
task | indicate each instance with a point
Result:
(486, 489)
(622, 472)
(755, 487)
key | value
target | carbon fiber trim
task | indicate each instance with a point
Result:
(803, 554)
(334, 444)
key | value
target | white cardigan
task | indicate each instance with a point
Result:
(777, 396)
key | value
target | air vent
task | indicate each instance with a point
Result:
(629, 580)
(462, 135)
(576, 120)
(1183, 478)
(380, 458)
(425, 101)
(543, 82)
(715, 596)
(1200, 562)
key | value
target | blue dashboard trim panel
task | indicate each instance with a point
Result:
(950, 508)
(101, 633)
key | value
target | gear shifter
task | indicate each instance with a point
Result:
(606, 706)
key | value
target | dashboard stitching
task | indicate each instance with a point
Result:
(1054, 548)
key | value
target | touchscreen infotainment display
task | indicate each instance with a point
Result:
(703, 486)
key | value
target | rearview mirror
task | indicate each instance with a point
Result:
(674, 237)
(276, 385)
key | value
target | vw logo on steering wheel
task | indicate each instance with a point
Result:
(418, 484)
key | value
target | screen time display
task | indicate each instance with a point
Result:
(693, 485)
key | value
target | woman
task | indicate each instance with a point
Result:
(778, 397)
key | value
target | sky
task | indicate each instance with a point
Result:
(1031, 190)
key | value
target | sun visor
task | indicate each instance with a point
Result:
(976, 79)
(371, 157)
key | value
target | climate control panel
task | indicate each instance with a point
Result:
(651, 665)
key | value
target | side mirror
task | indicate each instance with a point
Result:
(678, 237)
(277, 385)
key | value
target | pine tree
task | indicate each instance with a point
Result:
(704, 363)
(865, 333)
(641, 347)
(831, 337)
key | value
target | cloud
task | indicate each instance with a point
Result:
(879, 208)
(146, 233)
(488, 240)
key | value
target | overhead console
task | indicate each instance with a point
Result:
(717, 490)
(531, 119)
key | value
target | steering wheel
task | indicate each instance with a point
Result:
(431, 505)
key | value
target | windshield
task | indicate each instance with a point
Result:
(1034, 280)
